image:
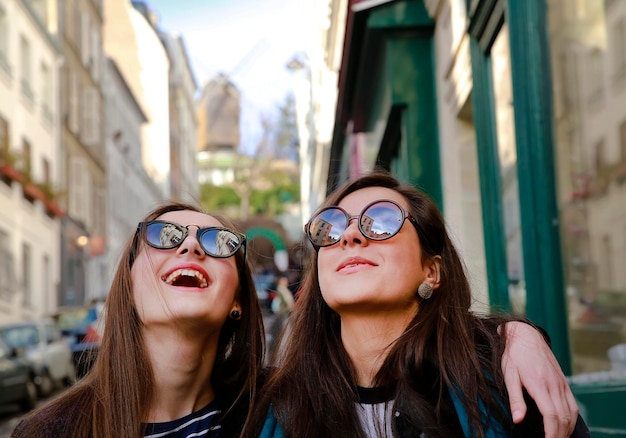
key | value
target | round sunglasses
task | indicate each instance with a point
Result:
(379, 220)
(216, 242)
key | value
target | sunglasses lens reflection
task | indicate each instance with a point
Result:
(214, 242)
(379, 221)
(219, 243)
(164, 235)
(327, 227)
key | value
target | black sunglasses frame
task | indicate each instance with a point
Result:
(405, 215)
(142, 228)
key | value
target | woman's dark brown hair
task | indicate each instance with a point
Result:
(113, 398)
(313, 388)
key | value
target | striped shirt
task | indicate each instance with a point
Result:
(375, 410)
(202, 423)
(377, 414)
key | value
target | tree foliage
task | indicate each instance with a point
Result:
(268, 202)
(217, 198)
(272, 202)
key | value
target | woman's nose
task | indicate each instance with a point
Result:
(191, 244)
(352, 234)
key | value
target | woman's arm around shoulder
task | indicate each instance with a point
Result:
(528, 363)
(533, 423)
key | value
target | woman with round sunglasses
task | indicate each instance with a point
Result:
(183, 338)
(382, 341)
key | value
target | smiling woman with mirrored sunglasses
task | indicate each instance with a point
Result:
(183, 342)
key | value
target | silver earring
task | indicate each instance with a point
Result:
(425, 291)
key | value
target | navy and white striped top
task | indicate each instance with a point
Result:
(202, 423)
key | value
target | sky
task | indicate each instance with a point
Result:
(249, 40)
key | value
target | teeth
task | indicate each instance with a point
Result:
(186, 273)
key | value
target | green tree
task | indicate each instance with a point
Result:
(272, 202)
(214, 198)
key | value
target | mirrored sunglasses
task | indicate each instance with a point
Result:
(215, 241)
(379, 220)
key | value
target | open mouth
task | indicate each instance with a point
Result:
(186, 278)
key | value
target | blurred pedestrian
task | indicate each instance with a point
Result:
(283, 301)
(282, 305)
(183, 340)
(382, 341)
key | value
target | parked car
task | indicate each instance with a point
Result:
(16, 379)
(47, 351)
(84, 343)
(82, 327)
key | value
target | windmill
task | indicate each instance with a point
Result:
(219, 104)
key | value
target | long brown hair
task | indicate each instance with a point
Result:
(313, 388)
(114, 397)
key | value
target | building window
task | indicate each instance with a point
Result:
(46, 171)
(596, 74)
(618, 49)
(7, 277)
(79, 189)
(99, 201)
(622, 140)
(76, 35)
(26, 69)
(85, 40)
(90, 128)
(593, 222)
(4, 138)
(4, 41)
(599, 158)
(46, 92)
(68, 27)
(27, 275)
(606, 280)
(74, 90)
(46, 290)
(27, 152)
(96, 55)
(40, 7)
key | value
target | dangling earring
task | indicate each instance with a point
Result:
(425, 291)
(235, 314)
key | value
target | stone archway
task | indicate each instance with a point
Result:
(268, 233)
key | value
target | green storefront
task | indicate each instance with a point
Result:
(546, 106)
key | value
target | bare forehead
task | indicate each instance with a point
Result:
(188, 217)
(355, 201)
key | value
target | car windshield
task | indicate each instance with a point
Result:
(18, 337)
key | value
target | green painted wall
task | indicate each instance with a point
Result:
(410, 61)
(409, 13)
(602, 407)
(490, 183)
(407, 77)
